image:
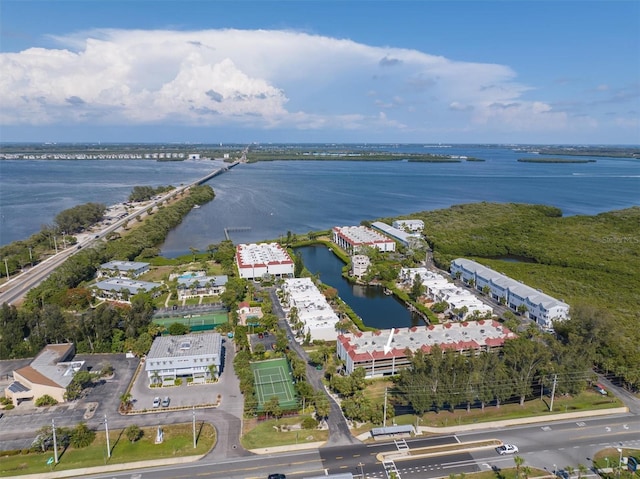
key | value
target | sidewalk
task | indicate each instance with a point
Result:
(509, 422)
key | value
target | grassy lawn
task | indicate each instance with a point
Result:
(268, 434)
(178, 442)
(535, 407)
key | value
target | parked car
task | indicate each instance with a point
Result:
(156, 402)
(600, 388)
(277, 476)
(166, 401)
(507, 449)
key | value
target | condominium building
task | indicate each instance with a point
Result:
(254, 261)
(438, 289)
(535, 304)
(385, 352)
(196, 356)
(122, 269)
(409, 225)
(353, 238)
(314, 316)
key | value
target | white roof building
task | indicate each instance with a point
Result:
(130, 269)
(540, 307)
(115, 287)
(395, 233)
(438, 288)
(196, 355)
(257, 260)
(353, 238)
(409, 225)
(318, 318)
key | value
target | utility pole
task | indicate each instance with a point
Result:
(361, 469)
(55, 443)
(553, 391)
(31, 256)
(55, 243)
(384, 414)
(6, 267)
(106, 430)
(194, 426)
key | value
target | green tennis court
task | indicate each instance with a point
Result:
(272, 378)
(195, 321)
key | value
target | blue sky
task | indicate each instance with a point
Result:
(558, 72)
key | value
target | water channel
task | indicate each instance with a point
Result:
(376, 309)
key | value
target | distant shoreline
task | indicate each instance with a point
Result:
(553, 160)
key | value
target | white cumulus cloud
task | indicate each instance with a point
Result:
(264, 79)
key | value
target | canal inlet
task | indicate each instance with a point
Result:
(376, 309)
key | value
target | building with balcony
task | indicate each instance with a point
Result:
(353, 238)
(255, 261)
(533, 303)
(384, 352)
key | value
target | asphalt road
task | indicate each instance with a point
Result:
(552, 445)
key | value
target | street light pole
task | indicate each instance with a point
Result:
(620, 461)
(384, 417)
(361, 469)
(106, 430)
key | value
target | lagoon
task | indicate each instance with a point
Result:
(376, 309)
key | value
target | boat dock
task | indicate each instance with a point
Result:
(234, 228)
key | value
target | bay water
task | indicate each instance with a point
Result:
(275, 197)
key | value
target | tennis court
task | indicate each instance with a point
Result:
(272, 378)
(196, 321)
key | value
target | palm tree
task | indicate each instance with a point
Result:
(570, 470)
(519, 461)
(582, 470)
(526, 470)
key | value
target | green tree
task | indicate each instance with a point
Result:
(524, 359)
(178, 329)
(272, 407)
(322, 406)
(82, 436)
(417, 288)
(133, 433)
(519, 461)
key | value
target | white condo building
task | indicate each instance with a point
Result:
(409, 225)
(438, 288)
(359, 265)
(254, 261)
(198, 356)
(316, 315)
(353, 238)
(540, 307)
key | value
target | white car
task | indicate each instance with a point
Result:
(156, 402)
(507, 449)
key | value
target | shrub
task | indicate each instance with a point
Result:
(45, 400)
(309, 423)
(82, 436)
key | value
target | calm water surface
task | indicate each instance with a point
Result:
(272, 198)
(376, 309)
